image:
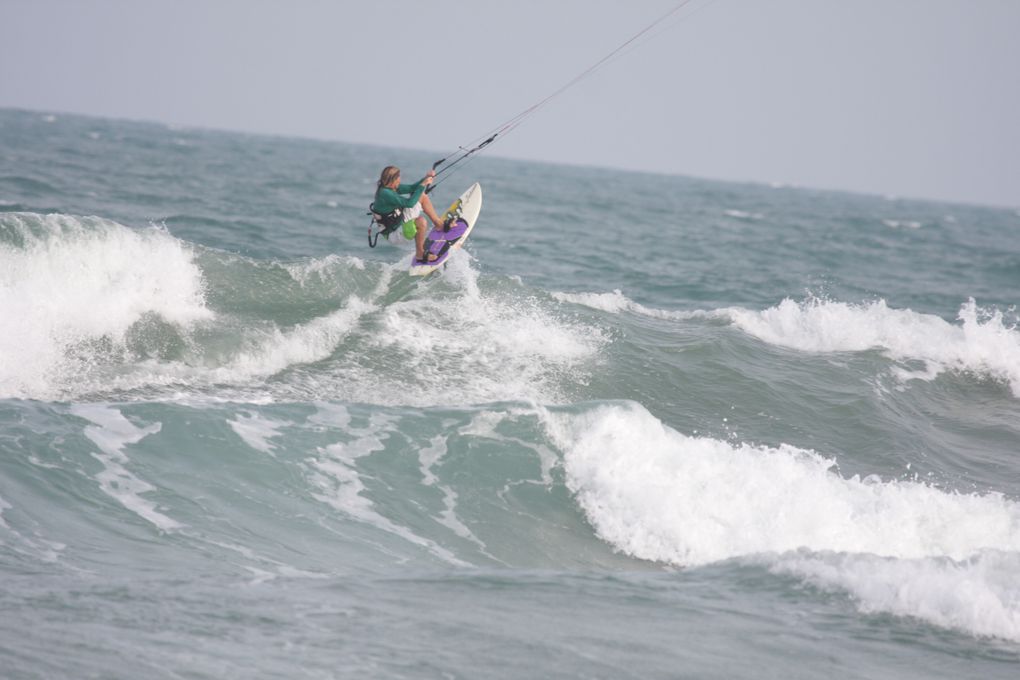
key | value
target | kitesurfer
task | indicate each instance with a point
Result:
(403, 204)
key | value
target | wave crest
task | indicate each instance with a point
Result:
(983, 343)
(656, 494)
(80, 287)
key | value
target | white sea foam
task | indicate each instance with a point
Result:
(331, 415)
(743, 215)
(112, 433)
(979, 595)
(37, 547)
(305, 343)
(468, 347)
(902, 224)
(286, 571)
(657, 494)
(4, 505)
(269, 350)
(304, 271)
(83, 280)
(428, 457)
(334, 472)
(484, 424)
(256, 431)
(79, 285)
(983, 342)
(86, 291)
(616, 302)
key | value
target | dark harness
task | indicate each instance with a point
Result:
(388, 224)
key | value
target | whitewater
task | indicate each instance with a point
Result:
(779, 435)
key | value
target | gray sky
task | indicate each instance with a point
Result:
(913, 98)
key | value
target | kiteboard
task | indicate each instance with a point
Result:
(444, 241)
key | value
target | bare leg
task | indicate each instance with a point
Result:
(426, 206)
(419, 238)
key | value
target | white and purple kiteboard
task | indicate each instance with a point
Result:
(443, 243)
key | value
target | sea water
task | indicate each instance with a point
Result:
(642, 426)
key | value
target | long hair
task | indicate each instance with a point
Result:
(389, 173)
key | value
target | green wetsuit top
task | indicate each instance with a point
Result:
(387, 200)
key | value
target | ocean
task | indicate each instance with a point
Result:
(642, 426)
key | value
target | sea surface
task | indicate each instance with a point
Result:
(642, 426)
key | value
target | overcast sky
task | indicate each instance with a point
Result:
(912, 98)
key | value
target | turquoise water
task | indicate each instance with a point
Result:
(642, 426)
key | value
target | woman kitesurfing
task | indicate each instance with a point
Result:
(401, 205)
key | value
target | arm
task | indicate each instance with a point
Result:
(388, 200)
(415, 190)
(418, 186)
